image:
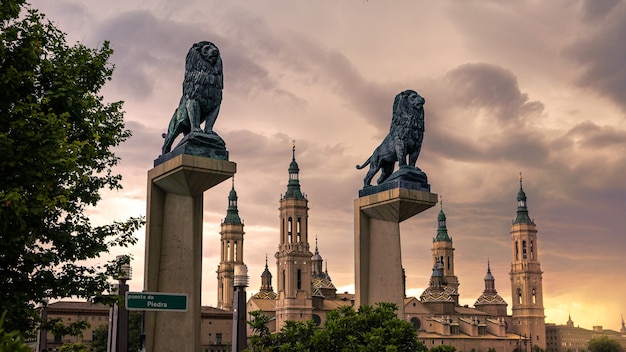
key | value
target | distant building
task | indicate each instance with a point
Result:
(569, 338)
(216, 325)
(71, 312)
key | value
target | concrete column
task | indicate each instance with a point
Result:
(378, 258)
(173, 260)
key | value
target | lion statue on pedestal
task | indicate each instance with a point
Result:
(404, 140)
(202, 94)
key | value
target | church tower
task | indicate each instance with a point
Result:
(293, 259)
(443, 252)
(528, 317)
(231, 253)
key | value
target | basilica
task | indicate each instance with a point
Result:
(304, 289)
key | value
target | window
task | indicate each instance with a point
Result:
(532, 252)
(534, 296)
(282, 283)
(516, 250)
(299, 229)
(417, 324)
(519, 295)
(299, 279)
(290, 229)
(228, 250)
(218, 338)
(235, 250)
(524, 249)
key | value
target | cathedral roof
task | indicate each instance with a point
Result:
(265, 295)
(445, 294)
(490, 298)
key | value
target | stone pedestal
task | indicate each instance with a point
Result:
(173, 259)
(378, 260)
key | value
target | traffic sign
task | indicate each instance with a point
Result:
(159, 301)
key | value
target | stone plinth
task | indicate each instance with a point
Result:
(173, 260)
(378, 259)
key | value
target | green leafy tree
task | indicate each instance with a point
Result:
(604, 344)
(442, 348)
(73, 347)
(368, 329)
(11, 341)
(101, 334)
(56, 140)
(100, 338)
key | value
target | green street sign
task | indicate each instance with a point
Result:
(171, 302)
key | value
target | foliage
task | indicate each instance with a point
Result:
(56, 140)
(536, 349)
(73, 347)
(11, 341)
(101, 334)
(368, 329)
(604, 344)
(442, 348)
(134, 330)
(491, 349)
(100, 338)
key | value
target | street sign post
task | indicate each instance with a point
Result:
(156, 301)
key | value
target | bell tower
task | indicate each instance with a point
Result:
(443, 252)
(528, 317)
(293, 259)
(231, 253)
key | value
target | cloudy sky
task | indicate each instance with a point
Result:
(531, 86)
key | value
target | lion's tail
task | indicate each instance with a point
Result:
(364, 164)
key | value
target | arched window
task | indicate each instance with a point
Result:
(524, 249)
(289, 230)
(532, 250)
(534, 296)
(417, 324)
(235, 251)
(299, 279)
(282, 282)
(519, 295)
(448, 262)
(227, 250)
(516, 250)
(299, 229)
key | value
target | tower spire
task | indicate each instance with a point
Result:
(232, 212)
(442, 229)
(293, 186)
(522, 210)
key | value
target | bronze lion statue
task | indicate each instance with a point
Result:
(404, 141)
(202, 93)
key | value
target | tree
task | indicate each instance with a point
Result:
(100, 338)
(442, 348)
(368, 329)
(604, 344)
(56, 140)
(73, 347)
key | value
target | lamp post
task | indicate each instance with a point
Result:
(240, 282)
(120, 329)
